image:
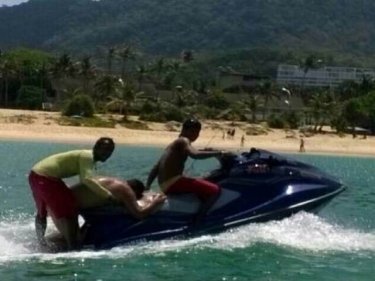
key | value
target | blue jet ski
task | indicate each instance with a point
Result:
(256, 186)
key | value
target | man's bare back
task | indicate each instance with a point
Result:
(123, 194)
(172, 162)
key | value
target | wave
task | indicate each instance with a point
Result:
(303, 231)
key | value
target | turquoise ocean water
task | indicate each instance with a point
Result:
(336, 244)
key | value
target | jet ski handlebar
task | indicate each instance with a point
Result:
(254, 156)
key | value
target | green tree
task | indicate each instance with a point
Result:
(217, 100)
(8, 70)
(366, 86)
(141, 72)
(348, 90)
(81, 105)
(173, 68)
(30, 97)
(105, 87)
(110, 55)
(317, 104)
(87, 72)
(267, 91)
(124, 96)
(187, 56)
(253, 104)
(310, 62)
(61, 71)
(353, 112)
(159, 68)
(125, 53)
(63, 67)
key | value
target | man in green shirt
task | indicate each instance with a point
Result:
(51, 194)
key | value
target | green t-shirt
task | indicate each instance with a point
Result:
(72, 163)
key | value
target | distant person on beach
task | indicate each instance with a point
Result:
(229, 133)
(170, 167)
(52, 195)
(130, 194)
(242, 140)
(302, 145)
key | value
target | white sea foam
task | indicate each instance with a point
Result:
(303, 231)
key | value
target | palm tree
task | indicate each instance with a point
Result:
(173, 67)
(123, 97)
(159, 68)
(141, 71)
(366, 86)
(87, 72)
(183, 97)
(310, 62)
(348, 90)
(321, 105)
(42, 73)
(267, 90)
(252, 105)
(7, 70)
(63, 66)
(110, 54)
(353, 112)
(1, 75)
(125, 54)
(62, 69)
(105, 87)
(187, 56)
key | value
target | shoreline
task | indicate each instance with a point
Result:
(43, 128)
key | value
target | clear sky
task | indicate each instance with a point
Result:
(11, 2)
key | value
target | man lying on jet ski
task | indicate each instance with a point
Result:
(129, 194)
(169, 169)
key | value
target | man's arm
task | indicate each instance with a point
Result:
(86, 165)
(200, 154)
(130, 201)
(153, 174)
(97, 188)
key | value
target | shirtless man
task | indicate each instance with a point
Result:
(129, 194)
(169, 169)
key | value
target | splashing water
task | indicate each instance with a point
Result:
(303, 231)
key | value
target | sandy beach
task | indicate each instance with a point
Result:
(29, 125)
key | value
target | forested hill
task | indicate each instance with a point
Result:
(168, 26)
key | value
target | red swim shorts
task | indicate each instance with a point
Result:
(53, 194)
(202, 188)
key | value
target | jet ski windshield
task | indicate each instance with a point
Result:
(265, 162)
(255, 156)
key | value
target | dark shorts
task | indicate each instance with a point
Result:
(53, 194)
(202, 188)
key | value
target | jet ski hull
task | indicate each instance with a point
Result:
(248, 195)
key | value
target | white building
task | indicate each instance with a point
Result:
(330, 76)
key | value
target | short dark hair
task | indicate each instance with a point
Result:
(104, 141)
(137, 186)
(191, 123)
